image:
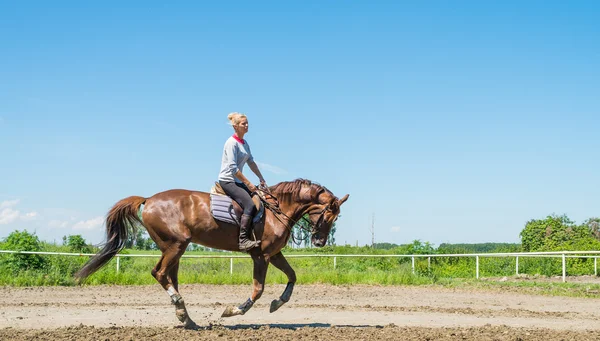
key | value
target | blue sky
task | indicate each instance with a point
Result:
(451, 121)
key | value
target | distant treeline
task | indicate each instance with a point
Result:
(479, 248)
(460, 248)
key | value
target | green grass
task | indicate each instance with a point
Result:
(534, 287)
(445, 272)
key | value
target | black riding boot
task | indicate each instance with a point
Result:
(245, 243)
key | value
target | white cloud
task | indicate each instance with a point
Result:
(8, 215)
(9, 203)
(29, 216)
(271, 168)
(395, 229)
(49, 223)
(90, 224)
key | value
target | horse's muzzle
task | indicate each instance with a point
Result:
(319, 243)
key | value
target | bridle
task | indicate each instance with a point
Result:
(265, 195)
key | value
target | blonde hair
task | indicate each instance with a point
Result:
(235, 117)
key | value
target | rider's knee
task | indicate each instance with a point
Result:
(251, 210)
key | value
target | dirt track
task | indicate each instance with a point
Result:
(315, 312)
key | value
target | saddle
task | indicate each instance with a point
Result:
(225, 209)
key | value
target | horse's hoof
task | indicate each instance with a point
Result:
(189, 324)
(182, 315)
(276, 304)
(232, 311)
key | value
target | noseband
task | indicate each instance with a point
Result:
(319, 221)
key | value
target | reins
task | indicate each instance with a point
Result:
(264, 191)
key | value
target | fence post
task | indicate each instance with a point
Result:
(231, 266)
(118, 258)
(477, 267)
(564, 267)
(517, 266)
(413, 264)
(429, 263)
(334, 263)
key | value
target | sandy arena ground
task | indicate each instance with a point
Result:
(315, 312)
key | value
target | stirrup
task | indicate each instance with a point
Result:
(248, 245)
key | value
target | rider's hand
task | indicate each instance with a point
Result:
(263, 183)
(251, 187)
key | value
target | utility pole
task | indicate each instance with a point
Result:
(373, 230)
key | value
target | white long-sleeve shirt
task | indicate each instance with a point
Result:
(235, 156)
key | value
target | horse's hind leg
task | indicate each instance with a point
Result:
(180, 310)
(282, 264)
(260, 273)
(165, 273)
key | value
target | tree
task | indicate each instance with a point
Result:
(331, 237)
(24, 241)
(301, 234)
(558, 232)
(134, 239)
(593, 224)
(77, 244)
(385, 246)
(419, 248)
(140, 240)
(149, 244)
(536, 234)
(195, 247)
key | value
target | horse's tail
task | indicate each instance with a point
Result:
(120, 223)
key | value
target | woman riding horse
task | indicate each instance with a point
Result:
(236, 153)
(177, 217)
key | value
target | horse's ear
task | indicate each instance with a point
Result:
(342, 200)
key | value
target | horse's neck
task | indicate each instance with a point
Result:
(296, 210)
(293, 209)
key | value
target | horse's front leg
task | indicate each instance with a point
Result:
(261, 263)
(282, 264)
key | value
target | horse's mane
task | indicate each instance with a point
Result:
(290, 190)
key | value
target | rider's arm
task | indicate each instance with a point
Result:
(229, 162)
(245, 180)
(254, 167)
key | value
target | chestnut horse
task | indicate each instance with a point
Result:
(176, 218)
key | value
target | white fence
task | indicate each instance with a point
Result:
(555, 254)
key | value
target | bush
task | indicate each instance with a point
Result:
(76, 243)
(557, 233)
(23, 241)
